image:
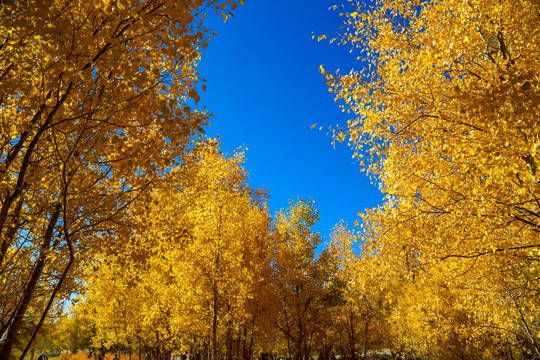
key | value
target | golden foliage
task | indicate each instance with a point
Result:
(93, 108)
(190, 269)
(447, 107)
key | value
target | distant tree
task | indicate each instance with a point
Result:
(297, 281)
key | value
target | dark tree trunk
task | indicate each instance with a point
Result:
(51, 299)
(30, 287)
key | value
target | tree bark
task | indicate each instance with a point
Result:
(215, 321)
(51, 299)
(11, 232)
(352, 334)
(30, 287)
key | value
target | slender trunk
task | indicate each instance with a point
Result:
(366, 343)
(229, 344)
(237, 343)
(215, 292)
(139, 351)
(30, 287)
(352, 335)
(309, 344)
(531, 337)
(215, 322)
(51, 299)
(11, 232)
(250, 349)
(158, 349)
(244, 346)
(300, 343)
(288, 342)
(510, 351)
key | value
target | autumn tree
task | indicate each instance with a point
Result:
(185, 278)
(297, 280)
(93, 100)
(67, 331)
(346, 324)
(226, 256)
(366, 294)
(447, 105)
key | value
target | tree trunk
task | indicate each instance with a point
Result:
(229, 342)
(237, 345)
(51, 299)
(244, 345)
(352, 335)
(30, 287)
(366, 343)
(250, 349)
(215, 322)
(11, 232)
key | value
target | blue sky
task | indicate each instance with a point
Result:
(265, 91)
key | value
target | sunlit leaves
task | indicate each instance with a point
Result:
(192, 266)
(93, 108)
(446, 104)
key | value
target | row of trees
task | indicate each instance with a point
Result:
(447, 113)
(202, 266)
(205, 270)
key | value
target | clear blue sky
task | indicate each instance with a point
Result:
(265, 91)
